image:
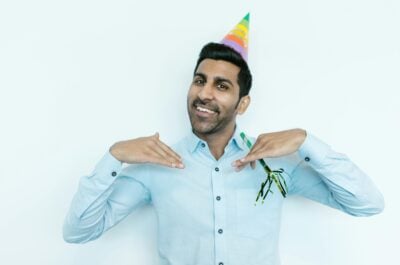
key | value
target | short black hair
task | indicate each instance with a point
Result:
(219, 51)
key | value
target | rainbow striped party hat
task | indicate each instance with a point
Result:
(237, 38)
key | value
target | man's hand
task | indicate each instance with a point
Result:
(272, 145)
(146, 150)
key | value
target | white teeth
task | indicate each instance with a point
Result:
(205, 110)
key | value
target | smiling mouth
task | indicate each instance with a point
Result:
(198, 108)
(204, 112)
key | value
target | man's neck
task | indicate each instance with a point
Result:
(218, 141)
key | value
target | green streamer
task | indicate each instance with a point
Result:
(272, 176)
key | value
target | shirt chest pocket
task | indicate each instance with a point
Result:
(257, 220)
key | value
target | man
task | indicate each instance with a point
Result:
(202, 189)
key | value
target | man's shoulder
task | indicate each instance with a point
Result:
(180, 144)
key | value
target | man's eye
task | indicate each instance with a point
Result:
(222, 86)
(199, 81)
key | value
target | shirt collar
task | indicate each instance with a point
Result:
(193, 141)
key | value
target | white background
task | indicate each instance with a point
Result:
(76, 76)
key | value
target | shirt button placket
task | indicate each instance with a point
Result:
(219, 221)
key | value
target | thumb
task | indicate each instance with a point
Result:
(157, 135)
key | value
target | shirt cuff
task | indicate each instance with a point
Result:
(313, 150)
(107, 169)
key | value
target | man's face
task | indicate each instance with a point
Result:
(213, 96)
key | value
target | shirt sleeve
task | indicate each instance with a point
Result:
(331, 178)
(103, 199)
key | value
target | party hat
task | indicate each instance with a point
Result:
(237, 38)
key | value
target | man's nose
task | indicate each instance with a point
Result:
(206, 92)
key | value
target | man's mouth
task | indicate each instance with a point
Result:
(204, 112)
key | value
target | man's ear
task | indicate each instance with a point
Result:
(243, 104)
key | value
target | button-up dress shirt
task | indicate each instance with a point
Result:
(206, 212)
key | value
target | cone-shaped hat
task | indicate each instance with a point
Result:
(237, 38)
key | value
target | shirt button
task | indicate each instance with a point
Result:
(203, 145)
(113, 173)
(221, 263)
(220, 231)
(218, 198)
(217, 169)
(307, 158)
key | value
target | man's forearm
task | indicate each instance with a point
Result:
(331, 177)
(84, 220)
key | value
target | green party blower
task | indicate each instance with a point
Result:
(272, 175)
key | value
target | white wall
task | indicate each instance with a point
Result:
(76, 76)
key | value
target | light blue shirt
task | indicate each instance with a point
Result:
(206, 212)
